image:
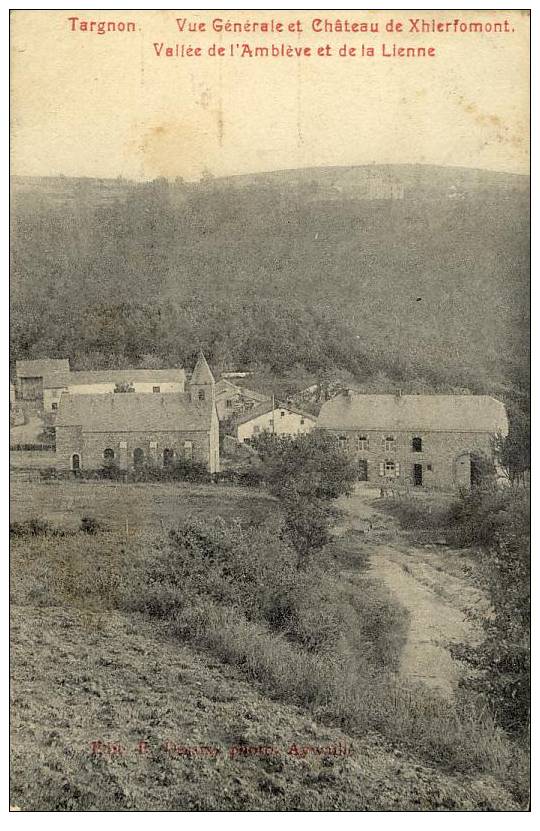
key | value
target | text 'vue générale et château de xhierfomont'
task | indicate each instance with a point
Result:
(314, 25)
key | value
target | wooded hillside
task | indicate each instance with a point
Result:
(281, 269)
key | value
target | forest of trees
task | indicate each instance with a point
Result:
(428, 293)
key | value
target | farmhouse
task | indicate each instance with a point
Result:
(232, 400)
(43, 381)
(281, 420)
(421, 440)
(111, 380)
(131, 429)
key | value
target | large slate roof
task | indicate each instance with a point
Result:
(41, 367)
(429, 413)
(225, 385)
(133, 412)
(104, 376)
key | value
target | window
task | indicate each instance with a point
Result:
(363, 443)
(282, 414)
(302, 421)
(389, 444)
(201, 395)
(228, 403)
(108, 454)
(138, 457)
(153, 445)
(168, 457)
(54, 405)
(417, 444)
(429, 467)
(342, 442)
(156, 389)
(256, 428)
(389, 469)
(123, 445)
(188, 449)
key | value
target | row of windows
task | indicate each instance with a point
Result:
(138, 453)
(391, 469)
(389, 442)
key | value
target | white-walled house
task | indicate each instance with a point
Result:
(281, 420)
(102, 382)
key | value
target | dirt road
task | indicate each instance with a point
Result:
(430, 582)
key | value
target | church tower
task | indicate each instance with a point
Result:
(202, 384)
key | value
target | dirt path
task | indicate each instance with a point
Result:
(436, 597)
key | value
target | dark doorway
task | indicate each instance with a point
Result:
(476, 470)
(75, 462)
(362, 470)
(138, 457)
(168, 457)
(417, 475)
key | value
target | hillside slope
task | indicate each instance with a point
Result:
(288, 267)
(116, 678)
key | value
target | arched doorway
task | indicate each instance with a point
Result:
(462, 470)
(75, 463)
(138, 457)
(168, 457)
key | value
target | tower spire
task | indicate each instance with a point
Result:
(202, 384)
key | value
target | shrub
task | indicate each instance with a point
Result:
(496, 523)
(90, 525)
(33, 527)
(184, 470)
(502, 527)
(250, 478)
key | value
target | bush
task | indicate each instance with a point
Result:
(497, 524)
(500, 522)
(33, 527)
(250, 478)
(182, 470)
(90, 525)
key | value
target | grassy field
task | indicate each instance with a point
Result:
(141, 506)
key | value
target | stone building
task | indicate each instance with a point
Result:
(418, 440)
(32, 377)
(104, 381)
(134, 428)
(269, 418)
(233, 400)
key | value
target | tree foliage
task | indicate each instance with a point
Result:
(513, 452)
(499, 521)
(306, 473)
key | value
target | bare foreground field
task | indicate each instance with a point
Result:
(88, 665)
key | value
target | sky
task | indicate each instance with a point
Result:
(83, 104)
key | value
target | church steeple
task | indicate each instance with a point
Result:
(202, 384)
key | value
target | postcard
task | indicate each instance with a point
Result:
(269, 410)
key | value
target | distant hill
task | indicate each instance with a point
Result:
(411, 270)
